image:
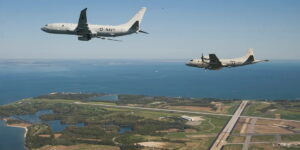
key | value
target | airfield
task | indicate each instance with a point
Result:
(157, 122)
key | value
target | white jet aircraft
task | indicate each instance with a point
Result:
(86, 31)
(212, 62)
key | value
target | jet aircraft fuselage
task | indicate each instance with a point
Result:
(86, 31)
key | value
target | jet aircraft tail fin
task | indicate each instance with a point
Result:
(135, 21)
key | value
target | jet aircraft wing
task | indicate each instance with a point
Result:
(82, 27)
(214, 60)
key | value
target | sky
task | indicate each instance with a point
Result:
(179, 29)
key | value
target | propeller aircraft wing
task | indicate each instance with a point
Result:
(214, 59)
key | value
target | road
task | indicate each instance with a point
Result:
(155, 109)
(221, 139)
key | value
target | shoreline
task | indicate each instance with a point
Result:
(17, 126)
(20, 125)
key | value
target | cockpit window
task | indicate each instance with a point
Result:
(46, 25)
(192, 60)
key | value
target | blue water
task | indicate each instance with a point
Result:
(28, 78)
(33, 118)
(124, 129)
(11, 138)
(56, 125)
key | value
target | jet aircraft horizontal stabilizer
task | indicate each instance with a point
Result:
(143, 32)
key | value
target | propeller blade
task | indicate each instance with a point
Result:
(202, 58)
(141, 31)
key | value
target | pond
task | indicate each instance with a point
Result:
(33, 118)
(55, 125)
(124, 129)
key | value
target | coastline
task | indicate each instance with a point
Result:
(19, 125)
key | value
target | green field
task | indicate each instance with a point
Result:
(263, 138)
(233, 147)
(102, 123)
(286, 109)
(290, 138)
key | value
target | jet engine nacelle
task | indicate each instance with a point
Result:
(84, 38)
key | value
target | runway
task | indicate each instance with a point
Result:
(155, 109)
(221, 139)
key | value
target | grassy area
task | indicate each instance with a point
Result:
(262, 138)
(212, 125)
(102, 124)
(236, 139)
(233, 106)
(289, 114)
(263, 147)
(52, 101)
(104, 103)
(290, 138)
(285, 109)
(289, 148)
(198, 144)
(270, 147)
(233, 147)
(79, 147)
(256, 108)
(176, 135)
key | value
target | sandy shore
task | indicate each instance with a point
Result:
(19, 125)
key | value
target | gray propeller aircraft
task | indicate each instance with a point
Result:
(86, 32)
(212, 62)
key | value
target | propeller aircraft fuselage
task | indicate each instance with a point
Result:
(212, 62)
